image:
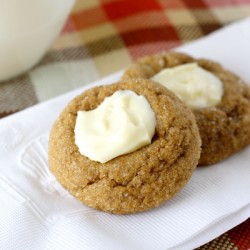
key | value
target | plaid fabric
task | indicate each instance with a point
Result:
(104, 36)
(237, 238)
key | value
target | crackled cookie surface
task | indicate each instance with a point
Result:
(136, 181)
(224, 128)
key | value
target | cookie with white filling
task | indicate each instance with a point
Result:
(138, 180)
(224, 123)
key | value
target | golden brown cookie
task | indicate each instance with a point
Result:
(224, 129)
(133, 182)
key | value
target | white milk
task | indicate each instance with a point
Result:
(27, 29)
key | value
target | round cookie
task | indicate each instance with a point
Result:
(136, 181)
(225, 128)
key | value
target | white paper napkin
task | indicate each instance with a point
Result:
(37, 213)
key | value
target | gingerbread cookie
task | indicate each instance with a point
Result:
(136, 181)
(225, 127)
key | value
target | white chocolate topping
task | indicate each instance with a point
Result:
(122, 123)
(195, 86)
